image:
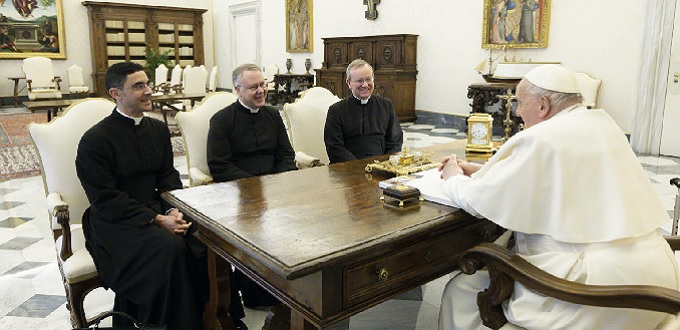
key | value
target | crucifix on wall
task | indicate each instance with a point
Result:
(372, 12)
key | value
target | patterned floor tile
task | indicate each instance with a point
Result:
(4, 191)
(19, 243)
(13, 222)
(27, 269)
(7, 205)
(38, 306)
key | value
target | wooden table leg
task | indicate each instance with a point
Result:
(216, 314)
(298, 322)
(210, 321)
(15, 96)
(278, 318)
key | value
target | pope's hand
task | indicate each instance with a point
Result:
(468, 168)
(450, 167)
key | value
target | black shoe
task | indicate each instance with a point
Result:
(239, 325)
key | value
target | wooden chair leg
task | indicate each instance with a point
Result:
(75, 296)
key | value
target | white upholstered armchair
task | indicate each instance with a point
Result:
(160, 79)
(76, 83)
(589, 87)
(194, 126)
(175, 84)
(40, 79)
(269, 71)
(194, 83)
(212, 81)
(306, 118)
(56, 144)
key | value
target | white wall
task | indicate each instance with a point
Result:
(78, 49)
(598, 37)
(671, 117)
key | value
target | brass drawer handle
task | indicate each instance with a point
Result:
(383, 274)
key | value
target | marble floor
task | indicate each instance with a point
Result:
(33, 296)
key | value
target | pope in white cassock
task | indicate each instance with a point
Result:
(579, 203)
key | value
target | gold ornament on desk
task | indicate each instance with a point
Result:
(507, 123)
(479, 133)
(404, 163)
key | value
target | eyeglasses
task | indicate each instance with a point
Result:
(367, 80)
(141, 86)
(253, 88)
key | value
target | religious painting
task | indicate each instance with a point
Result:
(516, 24)
(32, 28)
(298, 26)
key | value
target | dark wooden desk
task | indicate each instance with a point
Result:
(166, 102)
(322, 242)
(286, 80)
(52, 106)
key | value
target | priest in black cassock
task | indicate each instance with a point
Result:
(362, 125)
(249, 139)
(143, 249)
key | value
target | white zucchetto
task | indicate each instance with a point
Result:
(554, 78)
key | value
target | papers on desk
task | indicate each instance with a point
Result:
(428, 182)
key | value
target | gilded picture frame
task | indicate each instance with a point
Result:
(299, 28)
(516, 24)
(32, 28)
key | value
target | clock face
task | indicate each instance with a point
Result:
(479, 131)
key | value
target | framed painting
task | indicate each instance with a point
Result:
(298, 26)
(516, 24)
(32, 28)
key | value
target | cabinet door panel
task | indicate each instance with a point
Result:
(384, 86)
(336, 54)
(332, 81)
(362, 50)
(387, 54)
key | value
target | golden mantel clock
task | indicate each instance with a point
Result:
(479, 133)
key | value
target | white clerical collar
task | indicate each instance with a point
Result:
(137, 120)
(249, 108)
(362, 101)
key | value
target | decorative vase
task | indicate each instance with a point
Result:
(289, 64)
(308, 64)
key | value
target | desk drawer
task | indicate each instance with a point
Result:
(406, 267)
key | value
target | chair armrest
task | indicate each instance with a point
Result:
(57, 81)
(304, 160)
(28, 84)
(198, 177)
(161, 88)
(674, 242)
(676, 182)
(177, 88)
(505, 267)
(59, 209)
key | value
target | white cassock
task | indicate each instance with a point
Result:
(582, 209)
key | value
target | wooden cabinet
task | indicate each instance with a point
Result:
(123, 32)
(393, 58)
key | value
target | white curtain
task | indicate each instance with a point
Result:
(652, 77)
